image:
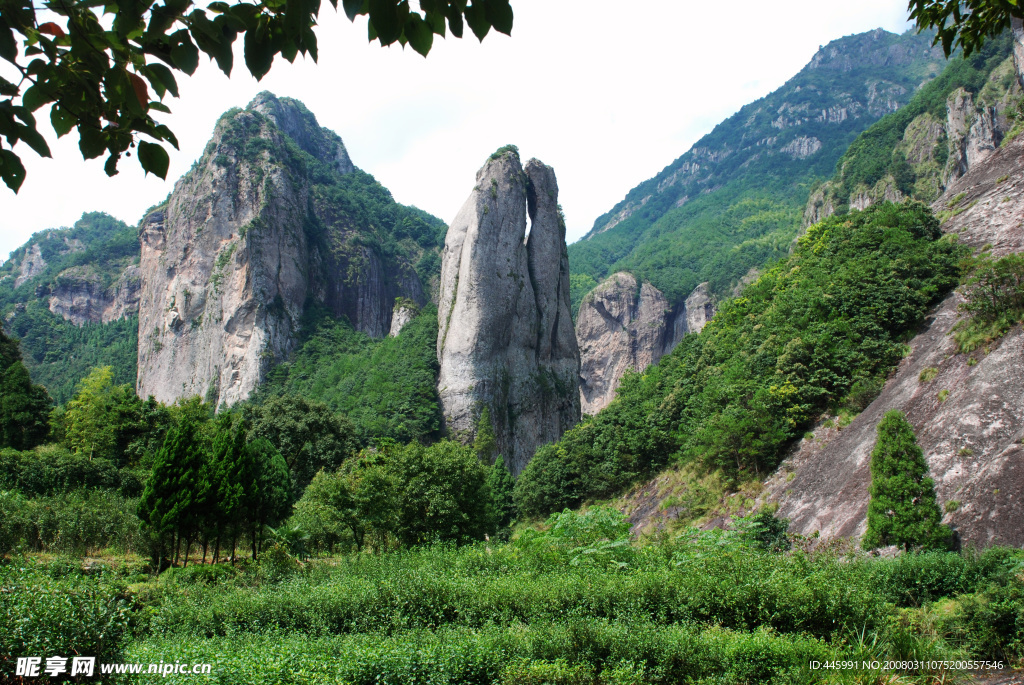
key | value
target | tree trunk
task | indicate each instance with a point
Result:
(205, 543)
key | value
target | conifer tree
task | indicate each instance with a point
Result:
(502, 486)
(902, 510)
(268, 493)
(24, 407)
(169, 503)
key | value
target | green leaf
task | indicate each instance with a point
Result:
(159, 74)
(476, 16)
(259, 53)
(34, 98)
(11, 170)
(160, 107)
(31, 137)
(153, 159)
(8, 47)
(91, 141)
(455, 21)
(185, 54)
(110, 167)
(61, 120)
(499, 14)
(420, 36)
(353, 8)
(384, 17)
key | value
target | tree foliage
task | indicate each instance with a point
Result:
(109, 83)
(24, 407)
(387, 388)
(902, 510)
(307, 433)
(964, 24)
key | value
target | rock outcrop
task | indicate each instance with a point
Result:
(969, 417)
(404, 312)
(505, 338)
(79, 295)
(937, 153)
(261, 226)
(32, 264)
(627, 325)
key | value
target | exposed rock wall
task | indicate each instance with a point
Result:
(505, 338)
(972, 131)
(79, 296)
(625, 325)
(245, 242)
(972, 435)
(404, 312)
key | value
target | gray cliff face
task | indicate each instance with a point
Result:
(625, 325)
(505, 338)
(80, 297)
(972, 435)
(404, 312)
(32, 265)
(972, 131)
(245, 242)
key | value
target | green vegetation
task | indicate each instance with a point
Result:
(58, 354)
(735, 201)
(577, 597)
(817, 331)
(881, 150)
(993, 301)
(386, 388)
(24, 407)
(902, 510)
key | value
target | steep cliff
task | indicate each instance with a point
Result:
(967, 409)
(272, 217)
(625, 325)
(505, 338)
(952, 124)
(735, 199)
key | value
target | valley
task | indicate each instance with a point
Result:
(767, 413)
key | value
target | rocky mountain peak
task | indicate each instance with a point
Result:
(505, 338)
(299, 124)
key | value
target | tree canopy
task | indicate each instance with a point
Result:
(105, 68)
(964, 24)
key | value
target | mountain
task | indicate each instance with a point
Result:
(953, 123)
(71, 296)
(273, 219)
(734, 201)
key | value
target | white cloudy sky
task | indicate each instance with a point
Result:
(606, 92)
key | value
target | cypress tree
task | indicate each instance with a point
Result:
(168, 506)
(502, 485)
(269, 496)
(902, 510)
(24, 407)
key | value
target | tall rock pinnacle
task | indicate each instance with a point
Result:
(505, 338)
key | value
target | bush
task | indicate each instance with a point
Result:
(76, 522)
(45, 615)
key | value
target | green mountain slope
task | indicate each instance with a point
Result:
(71, 265)
(734, 200)
(913, 152)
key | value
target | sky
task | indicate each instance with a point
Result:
(608, 93)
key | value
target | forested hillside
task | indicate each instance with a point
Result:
(735, 200)
(84, 273)
(819, 330)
